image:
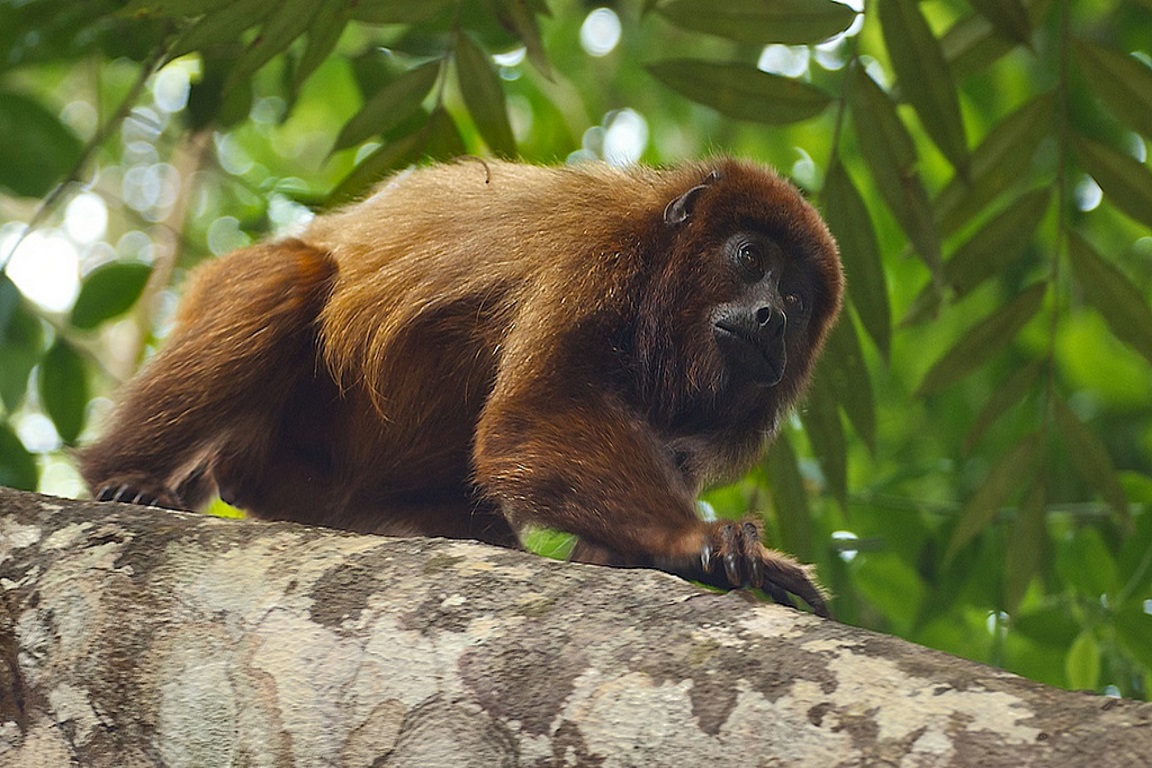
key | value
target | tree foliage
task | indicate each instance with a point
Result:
(972, 468)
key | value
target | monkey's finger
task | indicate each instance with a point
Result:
(752, 549)
(785, 573)
(778, 595)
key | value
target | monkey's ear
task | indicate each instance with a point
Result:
(678, 211)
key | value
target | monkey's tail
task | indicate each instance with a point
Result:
(245, 337)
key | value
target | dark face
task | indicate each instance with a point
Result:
(769, 310)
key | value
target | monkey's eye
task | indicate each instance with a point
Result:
(749, 259)
(794, 303)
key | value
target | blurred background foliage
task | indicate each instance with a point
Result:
(972, 468)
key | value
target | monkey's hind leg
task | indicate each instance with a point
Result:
(244, 337)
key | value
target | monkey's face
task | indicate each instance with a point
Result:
(769, 308)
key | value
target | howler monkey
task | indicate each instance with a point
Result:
(479, 346)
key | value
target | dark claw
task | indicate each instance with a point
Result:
(105, 493)
(732, 569)
(752, 555)
(706, 558)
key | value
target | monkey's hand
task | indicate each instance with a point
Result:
(733, 557)
(136, 490)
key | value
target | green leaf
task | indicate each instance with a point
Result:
(1007, 16)
(330, 21)
(891, 157)
(1082, 664)
(389, 106)
(793, 22)
(842, 365)
(987, 253)
(36, 150)
(1006, 395)
(741, 91)
(484, 96)
(848, 219)
(789, 499)
(973, 44)
(1014, 467)
(291, 20)
(221, 26)
(176, 9)
(1085, 563)
(1091, 458)
(519, 16)
(17, 466)
(1123, 306)
(1025, 547)
(1134, 628)
(1127, 183)
(107, 292)
(924, 76)
(443, 137)
(389, 157)
(21, 337)
(979, 344)
(398, 11)
(821, 419)
(64, 389)
(1122, 82)
(1000, 161)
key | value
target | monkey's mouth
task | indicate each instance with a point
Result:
(762, 360)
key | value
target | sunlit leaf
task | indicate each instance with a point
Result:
(849, 221)
(1013, 469)
(1000, 161)
(1091, 458)
(17, 466)
(21, 337)
(789, 499)
(1106, 288)
(925, 79)
(821, 418)
(1025, 547)
(1008, 394)
(1122, 82)
(983, 341)
(792, 22)
(36, 149)
(742, 91)
(890, 155)
(1127, 183)
(64, 389)
(484, 96)
(389, 106)
(1082, 664)
(107, 292)
(842, 365)
(1008, 17)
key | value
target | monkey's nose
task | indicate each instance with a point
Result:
(771, 321)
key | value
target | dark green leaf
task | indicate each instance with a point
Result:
(1014, 468)
(972, 44)
(1000, 161)
(742, 91)
(1007, 16)
(1127, 183)
(1082, 665)
(221, 26)
(36, 149)
(891, 157)
(291, 20)
(17, 466)
(389, 157)
(821, 419)
(484, 96)
(1084, 562)
(1025, 547)
(21, 336)
(843, 366)
(979, 344)
(331, 19)
(109, 291)
(176, 9)
(519, 16)
(793, 22)
(1106, 288)
(1091, 458)
(1134, 628)
(789, 499)
(398, 11)
(444, 141)
(924, 76)
(1006, 395)
(891, 585)
(64, 389)
(389, 106)
(1122, 82)
(849, 221)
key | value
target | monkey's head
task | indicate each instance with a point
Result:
(750, 284)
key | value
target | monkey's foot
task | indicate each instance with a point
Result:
(134, 493)
(734, 557)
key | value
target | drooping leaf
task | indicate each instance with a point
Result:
(924, 76)
(1107, 289)
(389, 157)
(848, 218)
(792, 22)
(1122, 82)
(17, 466)
(1134, 628)
(742, 91)
(444, 141)
(1082, 664)
(891, 157)
(1008, 17)
(64, 389)
(1000, 161)
(1014, 468)
(1084, 562)
(176, 9)
(220, 26)
(107, 292)
(842, 365)
(484, 96)
(389, 106)
(330, 20)
(1127, 183)
(36, 149)
(519, 16)
(789, 499)
(398, 11)
(1091, 458)
(821, 418)
(973, 44)
(21, 336)
(987, 338)
(291, 19)
(1025, 547)
(1008, 394)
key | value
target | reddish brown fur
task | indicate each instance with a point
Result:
(473, 349)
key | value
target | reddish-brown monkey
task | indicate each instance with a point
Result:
(479, 346)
